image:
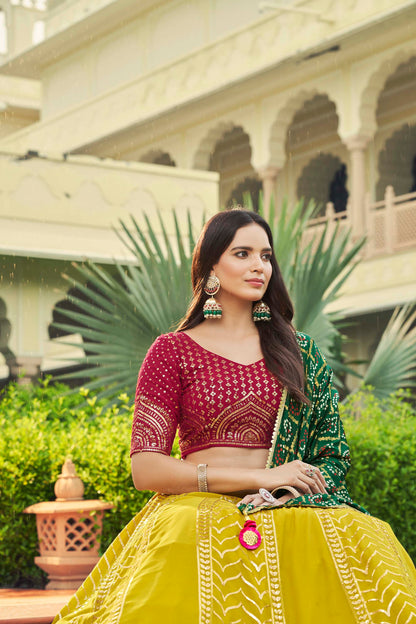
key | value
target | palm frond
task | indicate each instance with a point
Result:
(119, 313)
(287, 229)
(393, 364)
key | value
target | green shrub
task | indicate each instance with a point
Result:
(382, 438)
(40, 428)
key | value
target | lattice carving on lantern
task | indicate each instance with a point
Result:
(82, 533)
(47, 534)
(69, 531)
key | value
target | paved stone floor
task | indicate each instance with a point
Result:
(31, 606)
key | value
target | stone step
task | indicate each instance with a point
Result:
(31, 606)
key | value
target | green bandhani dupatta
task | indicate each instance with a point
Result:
(314, 433)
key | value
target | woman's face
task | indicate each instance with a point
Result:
(244, 269)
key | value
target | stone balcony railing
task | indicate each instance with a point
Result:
(390, 223)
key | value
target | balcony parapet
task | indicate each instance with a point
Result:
(390, 223)
(68, 208)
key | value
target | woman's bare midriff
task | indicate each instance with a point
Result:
(230, 457)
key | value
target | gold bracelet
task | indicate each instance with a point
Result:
(201, 471)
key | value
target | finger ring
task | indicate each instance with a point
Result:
(266, 496)
(310, 471)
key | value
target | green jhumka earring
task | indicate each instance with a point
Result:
(212, 309)
(261, 312)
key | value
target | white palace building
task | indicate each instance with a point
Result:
(114, 107)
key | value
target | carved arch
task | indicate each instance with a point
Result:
(283, 120)
(397, 162)
(207, 145)
(375, 85)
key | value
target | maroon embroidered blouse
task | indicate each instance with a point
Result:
(211, 399)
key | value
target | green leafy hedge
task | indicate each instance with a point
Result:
(382, 438)
(40, 427)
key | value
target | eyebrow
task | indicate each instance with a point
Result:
(250, 248)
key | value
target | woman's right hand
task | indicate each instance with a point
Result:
(306, 478)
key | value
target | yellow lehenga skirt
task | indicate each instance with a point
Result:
(180, 561)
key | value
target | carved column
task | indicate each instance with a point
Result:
(268, 176)
(356, 146)
(26, 369)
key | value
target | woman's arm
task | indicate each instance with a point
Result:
(160, 473)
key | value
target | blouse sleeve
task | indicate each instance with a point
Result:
(158, 396)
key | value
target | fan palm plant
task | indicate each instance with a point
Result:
(394, 362)
(314, 274)
(129, 306)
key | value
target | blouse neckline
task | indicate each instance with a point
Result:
(222, 357)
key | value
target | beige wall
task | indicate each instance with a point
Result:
(68, 208)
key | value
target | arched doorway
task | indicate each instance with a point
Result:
(67, 304)
(316, 160)
(397, 162)
(396, 134)
(324, 179)
(231, 157)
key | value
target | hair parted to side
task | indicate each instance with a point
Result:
(277, 337)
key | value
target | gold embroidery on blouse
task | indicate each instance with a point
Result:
(152, 426)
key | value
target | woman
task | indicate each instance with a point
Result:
(255, 524)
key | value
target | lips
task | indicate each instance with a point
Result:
(255, 282)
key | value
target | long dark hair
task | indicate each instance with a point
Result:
(277, 338)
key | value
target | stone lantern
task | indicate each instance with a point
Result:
(69, 531)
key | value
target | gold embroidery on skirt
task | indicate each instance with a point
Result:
(399, 555)
(273, 568)
(348, 580)
(234, 582)
(371, 568)
(121, 569)
(203, 553)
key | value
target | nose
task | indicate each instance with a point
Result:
(257, 264)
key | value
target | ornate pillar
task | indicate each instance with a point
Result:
(356, 146)
(268, 176)
(26, 369)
